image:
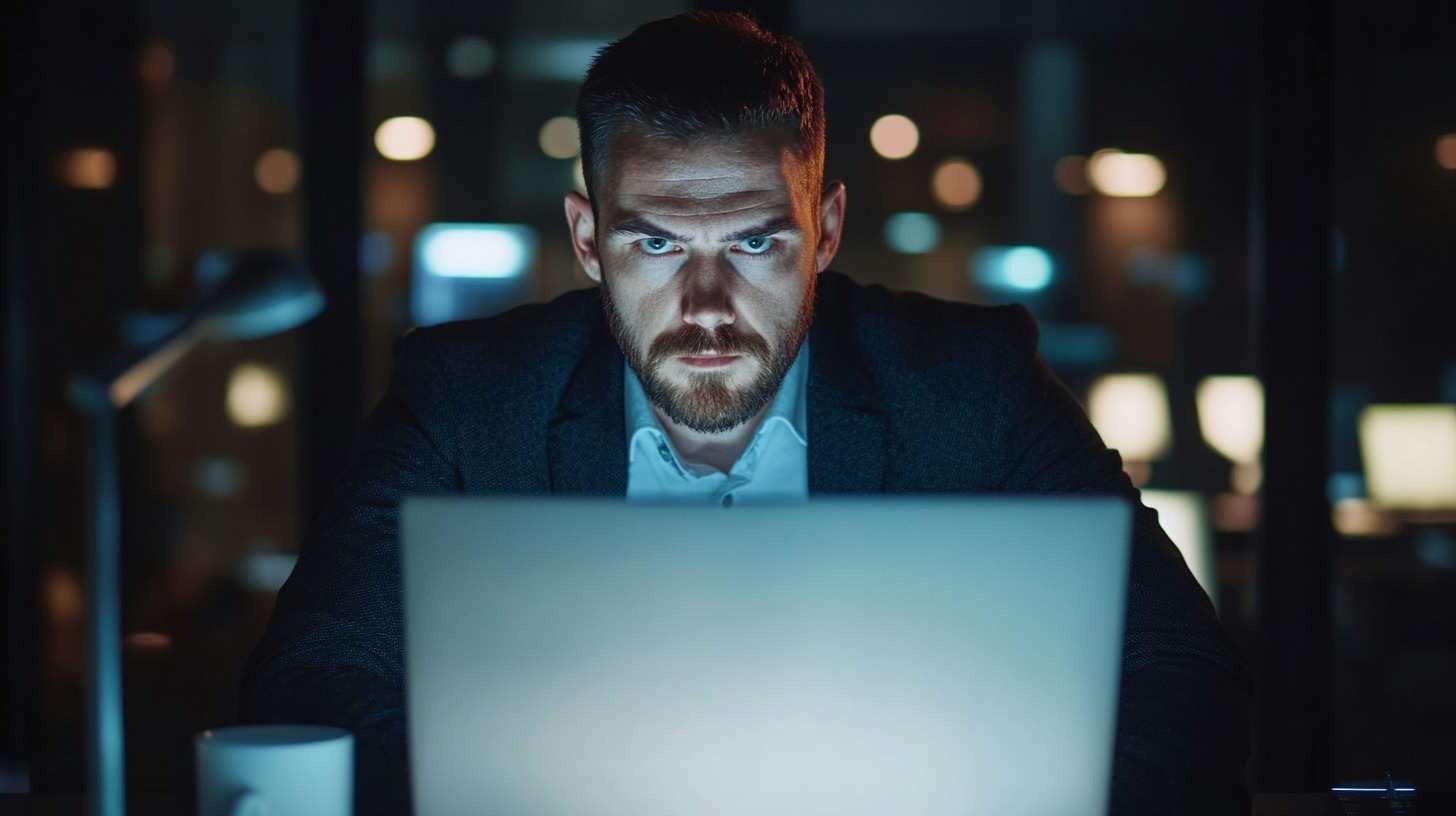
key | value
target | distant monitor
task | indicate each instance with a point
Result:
(464, 271)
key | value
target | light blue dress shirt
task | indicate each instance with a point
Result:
(774, 469)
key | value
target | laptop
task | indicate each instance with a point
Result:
(855, 657)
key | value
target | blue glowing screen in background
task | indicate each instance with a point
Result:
(463, 271)
(1017, 269)
(912, 233)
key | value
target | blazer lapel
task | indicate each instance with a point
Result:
(586, 446)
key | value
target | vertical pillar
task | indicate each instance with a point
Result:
(333, 152)
(1290, 239)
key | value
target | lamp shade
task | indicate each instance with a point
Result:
(253, 294)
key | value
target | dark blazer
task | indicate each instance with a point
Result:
(907, 394)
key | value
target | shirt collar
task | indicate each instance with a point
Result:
(789, 407)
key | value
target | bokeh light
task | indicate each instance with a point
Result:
(470, 57)
(558, 138)
(404, 138)
(474, 250)
(1126, 175)
(578, 175)
(277, 171)
(156, 63)
(256, 396)
(1446, 151)
(1013, 268)
(1231, 416)
(894, 136)
(89, 168)
(1071, 175)
(956, 184)
(912, 233)
(1130, 412)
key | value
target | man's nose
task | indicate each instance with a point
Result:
(707, 300)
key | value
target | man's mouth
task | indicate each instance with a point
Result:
(707, 359)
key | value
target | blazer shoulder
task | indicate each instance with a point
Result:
(509, 344)
(921, 327)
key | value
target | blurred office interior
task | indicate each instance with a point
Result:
(1218, 212)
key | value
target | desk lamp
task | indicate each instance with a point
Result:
(241, 296)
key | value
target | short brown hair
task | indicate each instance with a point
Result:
(700, 74)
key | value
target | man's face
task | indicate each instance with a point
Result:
(707, 254)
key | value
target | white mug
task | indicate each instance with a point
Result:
(275, 770)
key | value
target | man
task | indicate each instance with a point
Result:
(719, 361)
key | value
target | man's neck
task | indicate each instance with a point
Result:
(716, 450)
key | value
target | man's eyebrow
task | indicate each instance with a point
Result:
(769, 227)
(635, 225)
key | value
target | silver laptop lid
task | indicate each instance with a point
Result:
(866, 656)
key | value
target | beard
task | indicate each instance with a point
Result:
(708, 403)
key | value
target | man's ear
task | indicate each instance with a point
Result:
(831, 224)
(582, 225)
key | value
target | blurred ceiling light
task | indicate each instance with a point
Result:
(156, 63)
(277, 171)
(1409, 453)
(470, 57)
(1183, 515)
(1130, 411)
(256, 396)
(474, 250)
(956, 184)
(89, 168)
(1071, 175)
(912, 233)
(894, 136)
(558, 138)
(1126, 175)
(1446, 151)
(404, 138)
(1020, 269)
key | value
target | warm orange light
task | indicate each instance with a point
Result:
(894, 136)
(277, 171)
(1446, 151)
(956, 184)
(1126, 175)
(89, 168)
(404, 138)
(558, 138)
(156, 63)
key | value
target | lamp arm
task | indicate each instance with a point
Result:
(100, 392)
(114, 383)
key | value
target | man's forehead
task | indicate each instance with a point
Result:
(709, 175)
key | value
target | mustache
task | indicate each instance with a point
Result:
(692, 339)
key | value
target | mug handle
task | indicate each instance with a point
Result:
(248, 802)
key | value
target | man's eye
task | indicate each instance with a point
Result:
(656, 246)
(756, 245)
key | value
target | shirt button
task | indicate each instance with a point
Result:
(666, 454)
(728, 500)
